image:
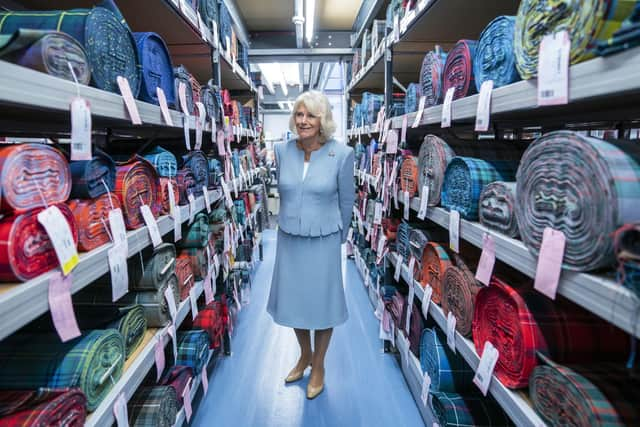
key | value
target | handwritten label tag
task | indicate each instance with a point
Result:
(424, 202)
(182, 96)
(159, 358)
(412, 294)
(445, 121)
(407, 205)
(192, 208)
(488, 361)
(193, 298)
(553, 69)
(129, 101)
(483, 112)
(152, 225)
(454, 231)
(186, 398)
(59, 233)
(451, 331)
(117, 257)
(120, 411)
(426, 300)
(418, 118)
(171, 303)
(550, 262)
(80, 129)
(61, 307)
(396, 273)
(487, 259)
(205, 380)
(164, 106)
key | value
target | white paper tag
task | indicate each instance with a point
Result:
(487, 260)
(200, 120)
(382, 241)
(553, 69)
(171, 303)
(412, 265)
(396, 28)
(426, 385)
(377, 217)
(488, 361)
(207, 200)
(398, 270)
(227, 193)
(407, 205)
(164, 106)
(186, 131)
(152, 225)
(118, 229)
(80, 129)
(412, 294)
(483, 112)
(120, 411)
(193, 298)
(205, 380)
(159, 357)
(59, 233)
(171, 329)
(454, 230)
(424, 202)
(192, 208)
(175, 213)
(451, 331)
(446, 108)
(426, 300)
(119, 273)
(182, 96)
(418, 118)
(186, 399)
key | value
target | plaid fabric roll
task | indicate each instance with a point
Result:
(402, 240)
(193, 349)
(626, 37)
(433, 159)
(408, 175)
(137, 183)
(164, 192)
(225, 26)
(458, 70)
(459, 290)
(92, 362)
(494, 58)
(521, 322)
(582, 186)
(626, 244)
(163, 161)
(498, 208)
(592, 395)
(371, 104)
(456, 410)
(43, 407)
(211, 100)
(215, 172)
(397, 105)
(181, 75)
(435, 262)
(25, 249)
(186, 185)
(92, 219)
(196, 88)
(155, 406)
(416, 325)
(209, 11)
(158, 266)
(414, 92)
(49, 52)
(184, 273)
(198, 257)
(157, 69)
(177, 377)
(197, 234)
(587, 22)
(431, 76)
(197, 162)
(89, 177)
(31, 172)
(213, 320)
(448, 371)
(466, 177)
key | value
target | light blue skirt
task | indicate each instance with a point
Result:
(306, 288)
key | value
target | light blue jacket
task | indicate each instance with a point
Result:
(322, 202)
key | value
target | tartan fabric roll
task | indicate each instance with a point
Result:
(157, 269)
(416, 325)
(521, 322)
(49, 52)
(186, 185)
(25, 249)
(456, 410)
(102, 32)
(626, 37)
(164, 191)
(433, 159)
(431, 77)
(198, 259)
(225, 26)
(181, 75)
(43, 407)
(587, 22)
(209, 11)
(196, 88)
(210, 95)
(92, 362)
(498, 208)
(408, 175)
(92, 220)
(459, 290)
(494, 58)
(448, 371)
(137, 182)
(177, 377)
(155, 406)
(213, 319)
(87, 176)
(184, 273)
(193, 349)
(197, 234)
(466, 177)
(31, 172)
(414, 92)
(157, 69)
(592, 395)
(582, 186)
(197, 162)
(215, 171)
(163, 161)
(627, 249)
(435, 262)
(458, 70)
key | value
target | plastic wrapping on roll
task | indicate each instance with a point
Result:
(459, 290)
(43, 407)
(448, 371)
(433, 159)
(197, 162)
(431, 77)
(137, 183)
(495, 59)
(92, 220)
(157, 69)
(458, 70)
(92, 178)
(153, 406)
(582, 186)
(456, 410)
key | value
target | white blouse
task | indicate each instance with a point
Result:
(304, 171)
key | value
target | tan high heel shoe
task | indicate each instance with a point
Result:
(295, 375)
(313, 392)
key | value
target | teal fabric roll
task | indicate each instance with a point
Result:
(448, 371)
(494, 57)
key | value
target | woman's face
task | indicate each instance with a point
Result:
(307, 124)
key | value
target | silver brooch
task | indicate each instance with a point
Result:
(331, 154)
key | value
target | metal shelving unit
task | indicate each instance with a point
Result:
(371, 75)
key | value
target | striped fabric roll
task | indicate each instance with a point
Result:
(181, 75)
(163, 161)
(459, 290)
(155, 271)
(92, 362)
(435, 262)
(412, 98)
(494, 59)
(198, 259)
(431, 76)
(582, 186)
(448, 371)
(433, 159)
(184, 273)
(31, 172)
(498, 208)
(137, 183)
(456, 410)
(587, 22)
(458, 70)
(408, 175)
(197, 162)
(193, 349)
(164, 191)
(177, 377)
(25, 249)
(186, 185)
(466, 177)
(592, 395)
(43, 407)
(522, 322)
(157, 69)
(153, 406)
(89, 177)
(92, 220)
(197, 234)
(626, 37)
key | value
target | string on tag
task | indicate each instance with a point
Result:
(44, 200)
(108, 192)
(106, 227)
(75, 79)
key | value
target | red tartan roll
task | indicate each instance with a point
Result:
(213, 319)
(409, 175)
(186, 185)
(198, 258)
(137, 182)
(44, 407)
(177, 377)
(25, 248)
(164, 194)
(29, 172)
(435, 262)
(520, 322)
(186, 280)
(92, 219)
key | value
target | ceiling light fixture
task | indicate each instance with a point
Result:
(309, 12)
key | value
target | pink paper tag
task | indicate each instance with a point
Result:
(127, 96)
(164, 107)
(160, 360)
(186, 397)
(182, 95)
(205, 380)
(120, 411)
(220, 141)
(550, 262)
(208, 290)
(403, 138)
(61, 307)
(487, 260)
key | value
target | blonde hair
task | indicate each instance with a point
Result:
(318, 105)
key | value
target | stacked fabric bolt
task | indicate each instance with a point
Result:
(92, 178)
(414, 92)
(181, 77)
(177, 377)
(197, 162)
(451, 409)
(459, 290)
(213, 319)
(431, 76)
(520, 322)
(433, 159)
(498, 208)
(627, 249)
(494, 57)
(435, 262)
(587, 22)
(163, 161)
(101, 30)
(582, 186)
(408, 175)
(155, 406)
(458, 70)
(184, 273)
(157, 69)
(43, 407)
(92, 220)
(210, 95)
(92, 362)
(626, 37)
(448, 371)
(193, 349)
(195, 91)
(371, 104)
(186, 181)
(397, 104)
(466, 177)
(137, 183)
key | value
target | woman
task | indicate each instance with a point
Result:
(315, 182)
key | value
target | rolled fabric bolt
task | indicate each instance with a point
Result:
(92, 220)
(498, 208)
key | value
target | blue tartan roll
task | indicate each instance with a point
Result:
(193, 349)
(225, 25)
(411, 99)
(215, 171)
(157, 69)
(494, 57)
(103, 33)
(181, 75)
(456, 410)
(448, 371)
(466, 177)
(164, 161)
(209, 11)
(87, 176)
(197, 162)
(153, 406)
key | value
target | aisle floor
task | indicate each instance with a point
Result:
(363, 385)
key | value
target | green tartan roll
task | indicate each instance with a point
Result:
(92, 362)
(197, 235)
(153, 407)
(157, 268)
(102, 31)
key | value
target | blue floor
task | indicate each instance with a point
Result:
(363, 386)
